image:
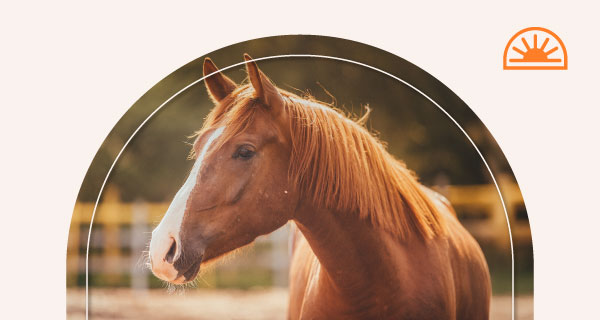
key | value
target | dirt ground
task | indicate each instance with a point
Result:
(216, 304)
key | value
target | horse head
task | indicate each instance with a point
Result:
(238, 188)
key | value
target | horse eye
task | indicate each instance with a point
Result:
(244, 152)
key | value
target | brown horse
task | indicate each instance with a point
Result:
(371, 242)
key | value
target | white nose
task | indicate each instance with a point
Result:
(164, 249)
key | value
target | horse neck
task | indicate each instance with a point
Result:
(355, 257)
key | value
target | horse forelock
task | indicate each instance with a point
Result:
(339, 164)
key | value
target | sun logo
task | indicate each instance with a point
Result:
(524, 51)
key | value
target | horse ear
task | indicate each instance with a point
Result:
(265, 90)
(218, 85)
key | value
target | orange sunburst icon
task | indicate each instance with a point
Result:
(527, 55)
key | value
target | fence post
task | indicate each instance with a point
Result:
(107, 224)
(138, 238)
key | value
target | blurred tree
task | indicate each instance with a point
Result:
(154, 164)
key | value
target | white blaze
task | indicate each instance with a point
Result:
(169, 226)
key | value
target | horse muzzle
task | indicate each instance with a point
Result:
(168, 262)
(163, 252)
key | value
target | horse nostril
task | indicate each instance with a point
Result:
(171, 253)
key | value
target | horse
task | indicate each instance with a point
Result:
(368, 241)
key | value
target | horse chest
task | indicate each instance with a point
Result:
(319, 300)
(318, 305)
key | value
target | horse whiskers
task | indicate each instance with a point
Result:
(192, 284)
(144, 259)
(199, 277)
(172, 288)
(179, 289)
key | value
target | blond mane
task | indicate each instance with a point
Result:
(340, 165)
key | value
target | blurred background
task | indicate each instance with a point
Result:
(252, 284)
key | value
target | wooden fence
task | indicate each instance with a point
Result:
(121, 232)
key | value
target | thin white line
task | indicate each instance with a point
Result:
(302, 56)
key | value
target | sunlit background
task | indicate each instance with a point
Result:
(253, 283)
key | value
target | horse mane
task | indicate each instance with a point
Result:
(338, 164)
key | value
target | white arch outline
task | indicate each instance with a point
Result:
(300, 56)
